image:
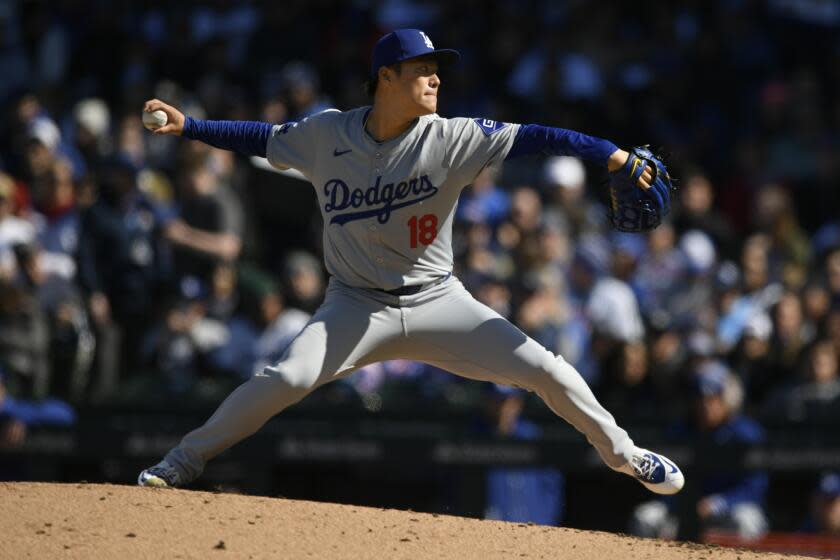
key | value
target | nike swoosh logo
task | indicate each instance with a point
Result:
(336, 153)
(670, 464)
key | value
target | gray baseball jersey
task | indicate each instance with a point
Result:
(388, 206)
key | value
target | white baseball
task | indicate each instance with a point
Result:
(154, 120)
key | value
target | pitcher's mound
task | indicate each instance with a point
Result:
(105, 521)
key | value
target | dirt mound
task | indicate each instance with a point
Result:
(106, 521)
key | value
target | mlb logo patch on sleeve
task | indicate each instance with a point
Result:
(489, 127)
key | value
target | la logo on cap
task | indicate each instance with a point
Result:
(427, 40)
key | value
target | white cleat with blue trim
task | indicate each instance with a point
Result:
(656, 472)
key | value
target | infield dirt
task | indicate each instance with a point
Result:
(46, 521)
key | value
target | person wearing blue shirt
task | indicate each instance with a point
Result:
(731, 500)
(518, 494)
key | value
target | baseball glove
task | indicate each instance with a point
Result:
(633, 209)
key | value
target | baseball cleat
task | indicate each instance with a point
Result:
(162, 475)
(656, 472)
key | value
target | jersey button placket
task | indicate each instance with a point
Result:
(374, 236)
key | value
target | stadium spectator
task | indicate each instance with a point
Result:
(124, 264)
(672, 353)
(540, 315)
(262, 328)
(627, 387)
(832, 327)
(280, 325)
(519, 235)
(589, 263)
(69, 341)
(209, 227)
(564, 183)
(300, 85)
(775, 215)
(816, 303)
(493, 293)
(733, 501)
(614, 310)
(24, 336)
(696, 211)
(825, 507)
(173, 348)
(657, 273)
(756, 292)
(691, 306)
(816, 394)
(13, 229)
(517, 494)
(790, 338)
(41, 141)
(224, 298)
(56, 220)
(479, 257)
(751, 360)
(91, 138)
(832, 274)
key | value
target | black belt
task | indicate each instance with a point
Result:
(416, 288)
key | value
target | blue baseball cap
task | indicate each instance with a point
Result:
(405, 44)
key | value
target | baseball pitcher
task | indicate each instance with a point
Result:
(388, 179)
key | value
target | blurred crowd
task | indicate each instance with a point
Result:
(130, 264)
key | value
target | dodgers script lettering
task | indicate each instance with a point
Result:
(384, 198)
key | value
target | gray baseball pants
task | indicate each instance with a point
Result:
(443, 326)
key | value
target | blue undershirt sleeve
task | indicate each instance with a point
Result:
(537, 139)
(246, 137)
